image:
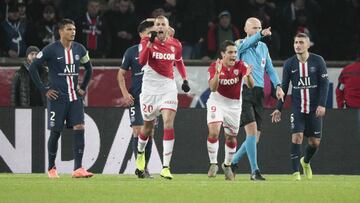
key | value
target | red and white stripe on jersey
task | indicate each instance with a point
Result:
(305, 95)
(69, 59)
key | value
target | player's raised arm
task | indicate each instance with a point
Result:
(214, 73)
(249, 78)
(144, 50)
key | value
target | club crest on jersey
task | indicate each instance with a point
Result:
(312, 69)
(77, 57)
(236, 72)
(39, 55)
(172, 48)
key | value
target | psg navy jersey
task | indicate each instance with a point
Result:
(64, 65)
(309, 82)
(131, 62)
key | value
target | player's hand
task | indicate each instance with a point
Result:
(276, 116)
(249, 70)
(320, 111)
(52, 94)
(153, 34)
(185, 86)
(266, 32)
(81, 92)
(218, 65)
(280, 93)
(128, 99)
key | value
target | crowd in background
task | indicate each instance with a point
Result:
(108, 28)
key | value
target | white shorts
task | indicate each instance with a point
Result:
(229, 116)
(151, 105)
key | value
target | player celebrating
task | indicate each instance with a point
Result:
(130, 61)
(65, 102)
(158, 53)
(308, 75)
(224, 105)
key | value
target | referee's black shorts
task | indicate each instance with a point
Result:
(252, 106)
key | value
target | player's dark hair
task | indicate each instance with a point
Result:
(225, 44)
(144, 25)
(65, 21)
(301, 35)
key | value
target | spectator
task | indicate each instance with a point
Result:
(194, 19)
(46, 27)
(121, 23)
(348, 89)
(24, 92)
(220, 32)
(14, 33)
(93, 32)
(265, 11)
(299, 16)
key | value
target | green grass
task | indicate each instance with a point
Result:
(183, 188)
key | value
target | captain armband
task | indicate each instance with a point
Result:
(85, 58)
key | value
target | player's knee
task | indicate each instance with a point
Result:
(136, 131)
(79, 127)
(230, 138)
(213, 135)
(251, 128)
(314, 143)
(297, 138)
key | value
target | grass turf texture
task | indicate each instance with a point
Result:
(183, 188)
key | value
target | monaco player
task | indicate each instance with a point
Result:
(224, 105)
(158, 53)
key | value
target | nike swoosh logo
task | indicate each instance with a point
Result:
(136, 58)
(60, 57)
(293, 71)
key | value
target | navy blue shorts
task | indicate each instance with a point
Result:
(62, 110)
(135, 114)
(308, 124)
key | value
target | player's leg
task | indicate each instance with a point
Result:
(149, 110)
(297, 123)
(168, 111)
(137, 122)
(313, 132)
(75, 120)
(168, 116)
(213, 147)
(55, 112)
(247, 116)
(214, 121)
(231, 128)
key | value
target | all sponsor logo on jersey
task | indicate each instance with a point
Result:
(304, 81)
(164, 56)
(229, 81)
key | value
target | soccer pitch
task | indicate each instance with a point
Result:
(183, 188)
